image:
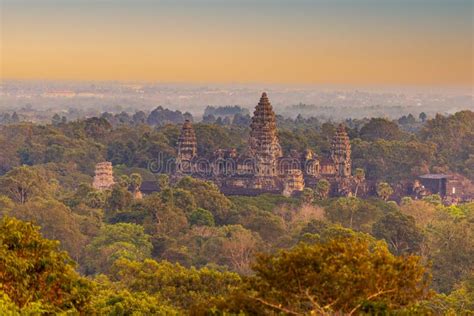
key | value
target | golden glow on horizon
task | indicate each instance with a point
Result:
(232, 54)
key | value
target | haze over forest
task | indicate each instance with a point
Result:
(79, 99)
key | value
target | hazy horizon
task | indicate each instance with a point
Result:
(373, 88)
(90, 98)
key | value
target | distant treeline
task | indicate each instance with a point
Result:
(158, 117)
(341, 112)
(6, 118)
(220, 111)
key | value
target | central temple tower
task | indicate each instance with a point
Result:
(264, 145)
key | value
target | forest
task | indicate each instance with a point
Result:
(189, 249)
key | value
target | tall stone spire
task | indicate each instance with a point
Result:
(341, 152)
(187, 147)
(264, 145)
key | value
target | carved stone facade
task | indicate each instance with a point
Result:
(263, 168)
(104, 178)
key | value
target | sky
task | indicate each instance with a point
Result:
(360, 42)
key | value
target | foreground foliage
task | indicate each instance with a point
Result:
(35, 274)
(344, 275)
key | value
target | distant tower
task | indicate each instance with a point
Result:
(341, 152)
(187, 147)
(264, 146)
(104, 178)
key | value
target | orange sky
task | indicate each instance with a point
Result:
(237, 44)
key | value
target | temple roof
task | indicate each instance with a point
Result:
(187, 124)
(264, 106)
(341, 128)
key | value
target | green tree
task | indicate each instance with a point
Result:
(392, 160)
(95, 199)
(186, 289)
(124, 181)
(433, 199)
(452, 136)
(79, 195)
(269, 226)
(135, 181)
(165, 218)
(95, 127)
(359, 177)
(163, 181)
(33, 270)
(120, 199)
(22, 183)
(54, 153)
(384, 190)
(423, 212)
(231, 246)
(353, 213)
(322, 189)
(239, 247)
(459, 302)
(451, 241)
(6, 205)
(184, 200)
(112, 300)
(380, 128)
(57, 222)
(122, 240)
(201, 217)
(207, 196)
(341, 276)
(307, 196)
(400, 233)
(423, 116)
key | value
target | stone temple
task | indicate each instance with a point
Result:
(263, 167)
(104, 178)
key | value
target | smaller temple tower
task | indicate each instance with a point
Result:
(104, 178)
(187, 148)
(341, 152)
